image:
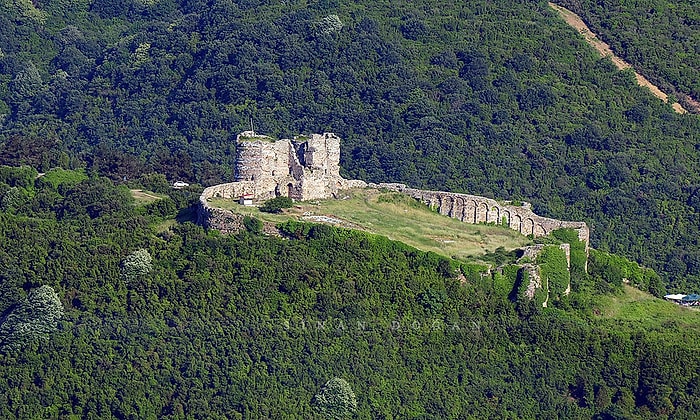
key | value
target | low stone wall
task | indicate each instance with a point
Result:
(474, 209)
(465, 207)
(230, 190)
(222, 220)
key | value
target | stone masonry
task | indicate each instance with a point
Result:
(307, 168)
(304, 168)
(474, 209)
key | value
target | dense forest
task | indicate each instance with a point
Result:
(496, 98)
(184, 323)
(659, 37)
(111, 308)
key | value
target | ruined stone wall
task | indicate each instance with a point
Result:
(533, 270)
(321, 167)
(308, 168)
(465, 207)
(531, 252)
(302, 168)
(267, 164)
(232, 190)
(535, 282)
(222, 220)
(474, 209)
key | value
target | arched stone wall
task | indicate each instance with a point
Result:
(465, 207)
(459, 209)
(446, 203)
(476, 209)
(539, 231)
(516, 223)
(432, 202)
(470, 212)
(494, 215)
(505, 217)
(482, 212)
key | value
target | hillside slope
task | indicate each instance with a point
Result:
(656, 36)
(250, 327)
(604, 50)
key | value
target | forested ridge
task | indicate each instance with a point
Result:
(115, 309)
(500, 98)
(182, 323)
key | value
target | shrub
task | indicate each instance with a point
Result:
(35, 317)
(136, 264)
(276, 204)
(554, 269)
(253, 225)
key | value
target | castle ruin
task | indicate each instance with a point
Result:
(303, 168)
(307, 168)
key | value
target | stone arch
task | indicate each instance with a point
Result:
(290, 190)
(528, 226)
(429, 201)
(446, 203)
(458, 209)
(505, 218)
(470, 212)
(539, 231)
(494, 215)
(516, 223)
(482, 211)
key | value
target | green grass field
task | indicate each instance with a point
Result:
(640, 310)
(144, 197)
(397, 217)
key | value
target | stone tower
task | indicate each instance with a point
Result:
(305, 168)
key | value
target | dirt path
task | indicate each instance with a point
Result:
(604, 49)
(140, 194)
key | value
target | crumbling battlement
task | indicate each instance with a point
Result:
(304, 168)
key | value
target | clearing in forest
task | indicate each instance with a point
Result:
(604, 49)
(144, 197)
(639, 310)
(398, 217)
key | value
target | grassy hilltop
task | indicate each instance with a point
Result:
(397, 217)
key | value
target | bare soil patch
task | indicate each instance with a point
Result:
(604, 50)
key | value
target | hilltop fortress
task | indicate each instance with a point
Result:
(307, 168)
(303, 168)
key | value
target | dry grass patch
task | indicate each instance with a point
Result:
(145, 197)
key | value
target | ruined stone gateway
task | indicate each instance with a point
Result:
(307, 168)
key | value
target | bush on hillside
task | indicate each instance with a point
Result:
(276, 204)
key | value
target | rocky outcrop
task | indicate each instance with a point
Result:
(227, 222)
